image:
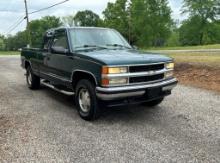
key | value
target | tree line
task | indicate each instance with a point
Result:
(144, 23)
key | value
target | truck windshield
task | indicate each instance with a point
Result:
(97, 38)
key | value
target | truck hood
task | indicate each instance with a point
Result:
(124, 57)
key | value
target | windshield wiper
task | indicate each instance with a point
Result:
(118, 45)
(90, 46)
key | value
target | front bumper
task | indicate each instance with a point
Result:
(115, 93)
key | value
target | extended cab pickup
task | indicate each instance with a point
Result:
(98, 66)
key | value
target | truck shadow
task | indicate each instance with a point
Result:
(122, 113)
(127, 113)
(67, 101)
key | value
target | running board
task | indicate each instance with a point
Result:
(45, 83)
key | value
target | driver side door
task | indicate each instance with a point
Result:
(60, 62)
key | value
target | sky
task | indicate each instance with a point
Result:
(13, 10)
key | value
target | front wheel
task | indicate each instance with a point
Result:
(32, 80)
(154, 102)
(86, 100)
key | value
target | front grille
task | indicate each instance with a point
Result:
(141, 74)
(144, 79)
(145, 68)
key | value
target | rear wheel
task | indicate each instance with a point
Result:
(32, 80)
(86, 101)
(154, 102)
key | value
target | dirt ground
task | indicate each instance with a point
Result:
(197, 75)
(4, 125)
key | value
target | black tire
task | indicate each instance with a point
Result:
(32, 80)
(86, 100)
(154, 102)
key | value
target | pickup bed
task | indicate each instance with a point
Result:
(98, 66)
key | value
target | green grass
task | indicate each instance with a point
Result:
(9, 53)
(206, 58)
(215, 46)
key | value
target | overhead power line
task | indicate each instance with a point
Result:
(46, 8)
(15, 25)
(18, 20)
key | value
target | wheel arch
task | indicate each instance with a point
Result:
(78, 75)
(27, 64)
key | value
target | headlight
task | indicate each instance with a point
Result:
(114, 82)
(114, 70)
(170, 66)
(108, 81)
(169, 74)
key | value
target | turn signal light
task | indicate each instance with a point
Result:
(114, 70)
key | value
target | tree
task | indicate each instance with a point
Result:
(143, 22)
(87, 18)
(68, 20)
(40, 26)
(16, 42)
(117, 16)
(202, 15)
(174, 40)
(214, 33)
(2, 42)
(151, 22)
(190, 30)
(205, 9)
(37, 28)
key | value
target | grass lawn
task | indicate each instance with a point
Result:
(211, 59)
(216, 46)
(9, 53)
(206, 58)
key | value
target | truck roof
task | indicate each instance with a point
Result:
(51, 31)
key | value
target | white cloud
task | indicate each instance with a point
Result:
(176, 6)
(12, 10)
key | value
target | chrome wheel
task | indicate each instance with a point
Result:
(29, 78)
(84, 100)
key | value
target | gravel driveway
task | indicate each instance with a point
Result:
(43, 126)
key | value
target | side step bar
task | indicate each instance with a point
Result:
(45, 83)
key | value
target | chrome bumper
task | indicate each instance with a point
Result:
(114, 93)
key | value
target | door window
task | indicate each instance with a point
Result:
(60, 41)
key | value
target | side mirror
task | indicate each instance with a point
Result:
(135, 47)
(59, 50)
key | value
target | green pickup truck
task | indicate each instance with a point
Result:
(98, 67)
